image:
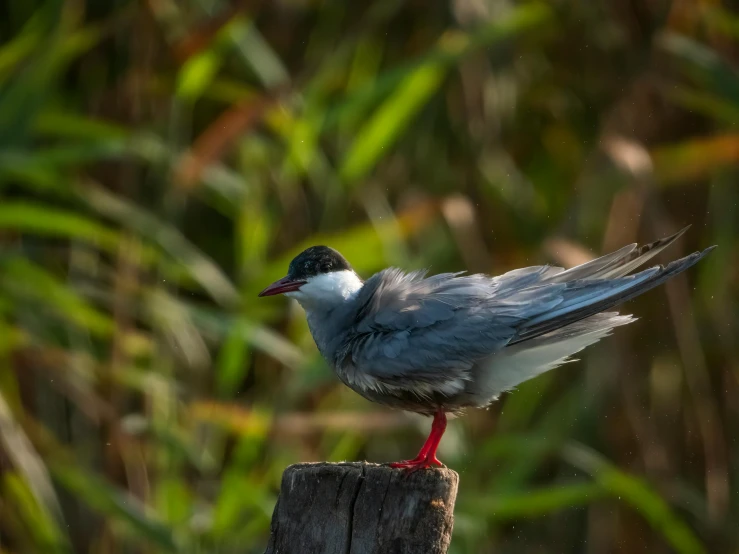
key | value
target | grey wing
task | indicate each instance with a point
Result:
(425, 334)
(548, 339)
(413, 331)
(583, 298)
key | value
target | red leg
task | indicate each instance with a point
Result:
(427, 456)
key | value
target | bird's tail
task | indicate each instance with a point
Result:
(587, 298)
(619, 263)
(518, 363)
(548, 338)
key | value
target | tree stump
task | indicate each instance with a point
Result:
(361, 508)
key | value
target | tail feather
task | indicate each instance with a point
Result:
(619, 263)
(591, 305)
(550, 337)
(515, 364)
(641, 256)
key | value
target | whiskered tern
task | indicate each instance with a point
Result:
(441, 344)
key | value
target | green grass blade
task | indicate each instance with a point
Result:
(535, 503)
(703, 65)
(65, 124)
(233, 359)
(203, 269)
(115, 504)
(391, 120)
(31, 281)
(44, 531)
(28, 463)
(197, 73)
(417, 83)
(638, 494)
(46, 220)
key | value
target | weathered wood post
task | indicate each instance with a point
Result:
(361, 508)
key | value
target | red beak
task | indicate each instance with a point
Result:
(283, 285)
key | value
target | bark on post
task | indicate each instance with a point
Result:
(361, 508)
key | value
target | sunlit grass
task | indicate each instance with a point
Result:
(161, 162)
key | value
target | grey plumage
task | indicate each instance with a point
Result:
(441, 344)
(620, 262)
(451, 341)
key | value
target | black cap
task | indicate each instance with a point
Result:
(316, 260)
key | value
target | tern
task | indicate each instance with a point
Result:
(442, 344)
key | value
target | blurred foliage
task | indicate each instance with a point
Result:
(161, 161)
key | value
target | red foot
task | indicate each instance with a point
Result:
(427, 456)
(417, 463)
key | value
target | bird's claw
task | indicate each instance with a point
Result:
(417, 463)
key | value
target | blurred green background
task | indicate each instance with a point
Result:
(161, 161)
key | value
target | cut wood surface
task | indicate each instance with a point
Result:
(361, 508)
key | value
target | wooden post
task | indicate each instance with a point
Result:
(361, 508)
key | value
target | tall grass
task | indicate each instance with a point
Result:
(161, 162)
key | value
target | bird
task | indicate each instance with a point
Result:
(439, 345)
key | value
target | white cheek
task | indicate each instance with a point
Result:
(332, 287)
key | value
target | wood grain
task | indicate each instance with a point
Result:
(361, 508)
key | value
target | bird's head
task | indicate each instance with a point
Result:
(317, 276)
